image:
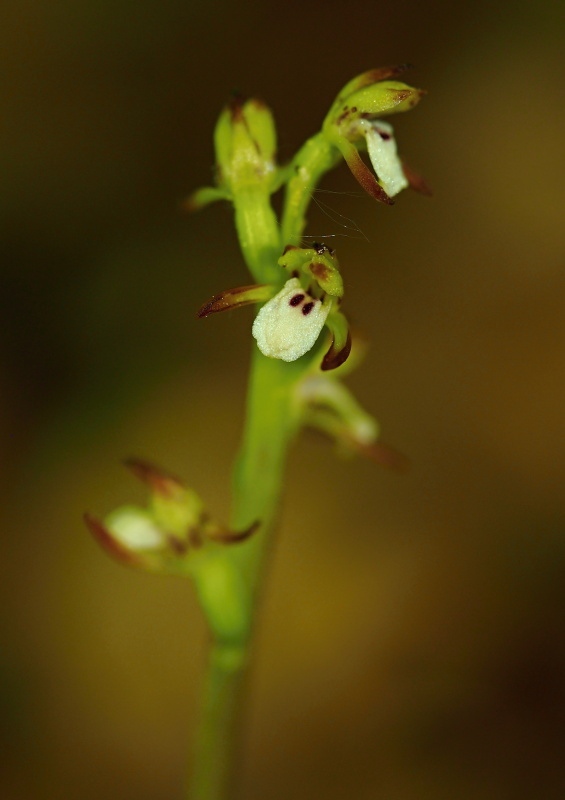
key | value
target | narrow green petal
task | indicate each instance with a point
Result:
(203, 197)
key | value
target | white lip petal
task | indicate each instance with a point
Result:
(381, 146)
(135, 529)
(289, 324)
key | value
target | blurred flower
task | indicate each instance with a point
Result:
(163, 536)
(328, 406)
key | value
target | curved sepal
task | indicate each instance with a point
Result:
(415, 181)
(361, 171)
(236, 298)
(340, 347)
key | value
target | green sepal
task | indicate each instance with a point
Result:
(368, 78)
(320, 263)
(203, 197)
(370, 95)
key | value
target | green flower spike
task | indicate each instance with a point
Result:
(290, 322)
(166, 534)
(354, 121)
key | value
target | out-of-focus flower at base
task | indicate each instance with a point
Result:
(166, 536)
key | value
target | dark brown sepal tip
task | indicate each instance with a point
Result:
(290, 247)
(157, 479)
(109, 543)
(415, 181)
(385, 73)
(335, 358)
(234, 537)
(189, 205)
(236, 103)
(386, 456)
(380, 74)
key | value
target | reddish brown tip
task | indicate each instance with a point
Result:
(236, 103)
(385, 73)
(234, 537)
(335, 358)
(379, 74)
(158, 480)
(416, 181)
(386, 456)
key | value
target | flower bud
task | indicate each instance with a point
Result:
(245, 141)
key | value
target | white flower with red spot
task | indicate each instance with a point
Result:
(288, 325)
(293, 316)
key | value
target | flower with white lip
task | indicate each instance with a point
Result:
(354, 121)
(288, 325)
(290, 322)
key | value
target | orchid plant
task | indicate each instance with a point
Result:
(303, 349)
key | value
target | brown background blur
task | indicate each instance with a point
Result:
(412, 642)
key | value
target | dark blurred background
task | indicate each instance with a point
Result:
(412, 641)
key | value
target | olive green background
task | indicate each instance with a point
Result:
(412, 643)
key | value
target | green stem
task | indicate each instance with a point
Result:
(258, 233)
(217, 742)
(257, 485)
(271, 423)
(314, 158)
